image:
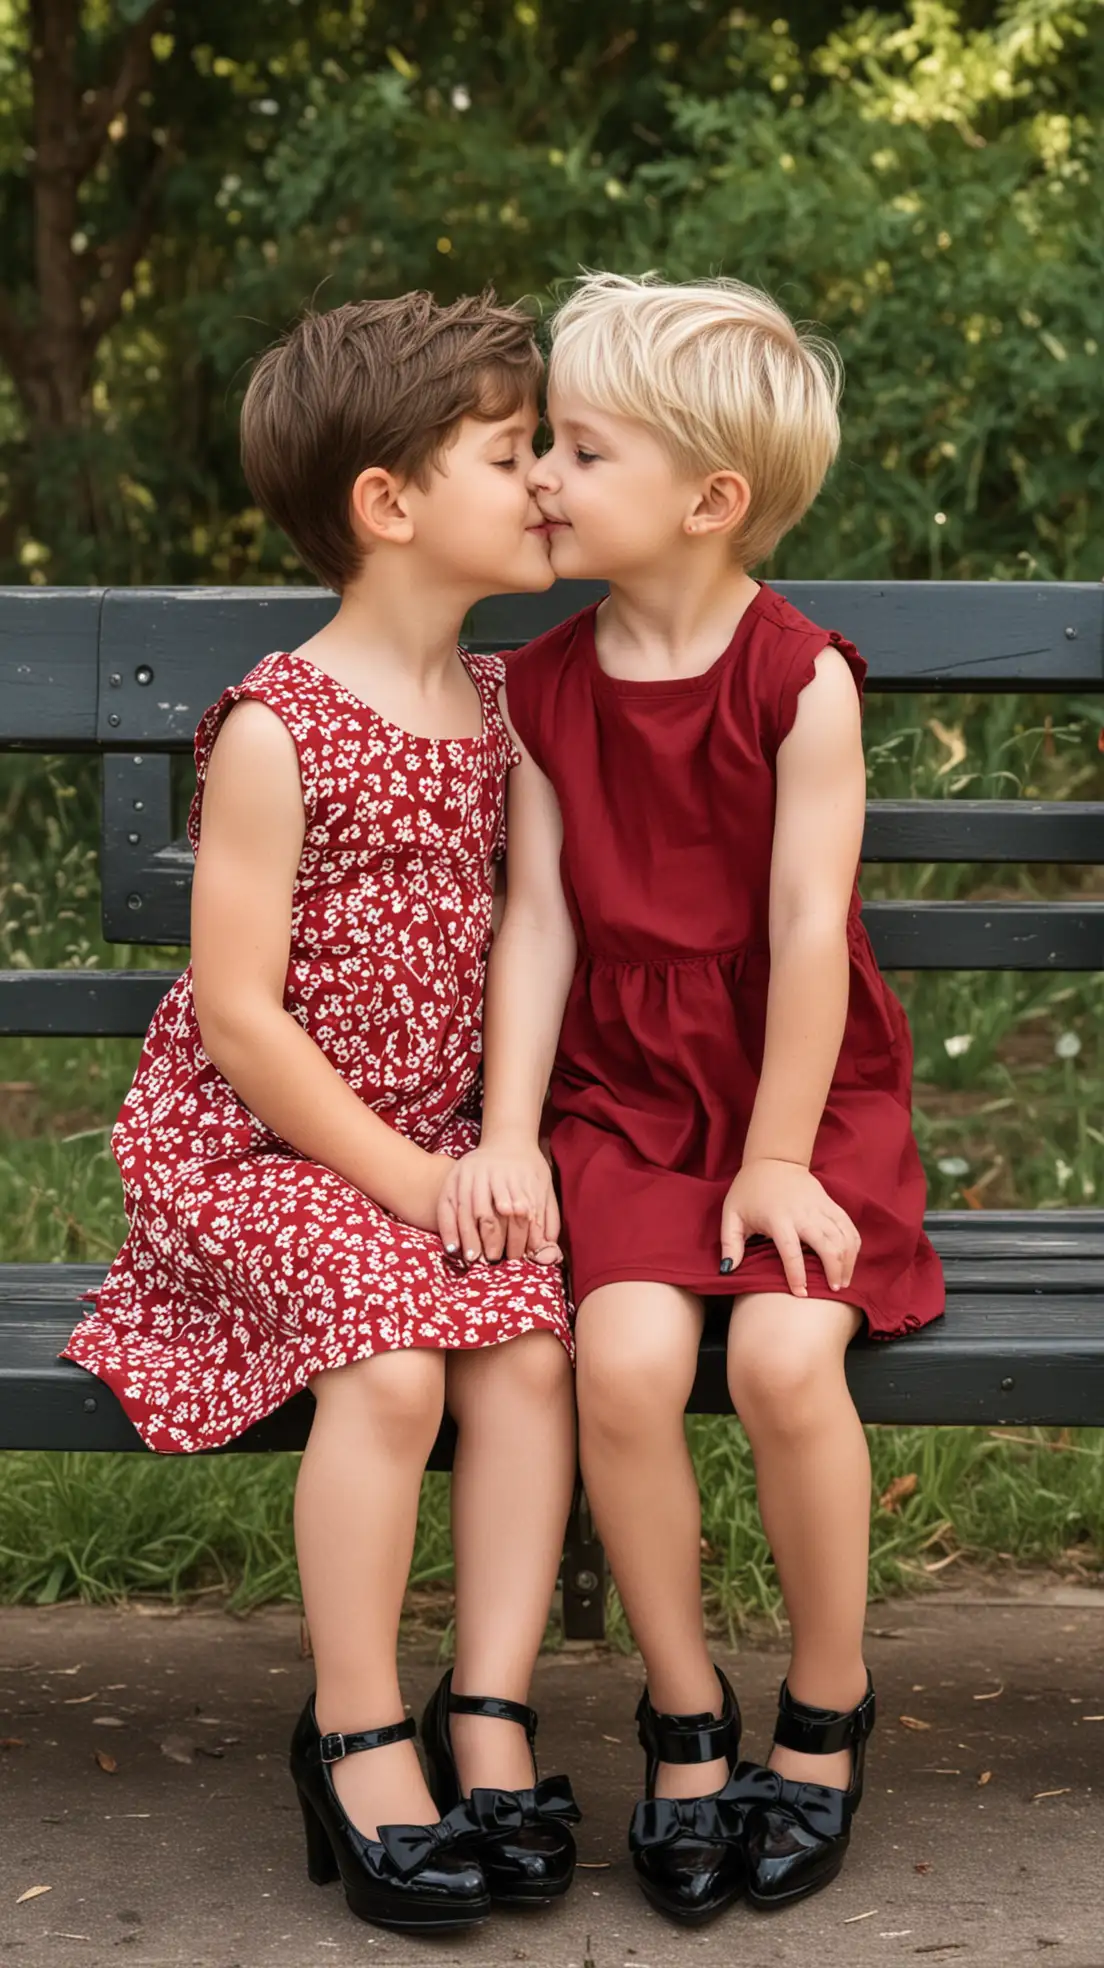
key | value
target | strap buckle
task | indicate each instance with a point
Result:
(331, 1748)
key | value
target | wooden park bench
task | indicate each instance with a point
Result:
(127, 673)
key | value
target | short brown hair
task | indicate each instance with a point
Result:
(373, 383)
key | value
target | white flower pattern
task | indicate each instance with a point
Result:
(248, 1269)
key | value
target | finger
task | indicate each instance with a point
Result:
(447, 1222)
(826, 1239)
(733, 1238)
(514, 1216)
(519, 1234)
(546, 1253)
(552, 1223)
(465, 1216)
(788, 1245)
(852, 1244)
(492, 1232)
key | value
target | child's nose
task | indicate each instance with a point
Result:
(542, 477)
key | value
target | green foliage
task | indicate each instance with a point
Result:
(925, 184)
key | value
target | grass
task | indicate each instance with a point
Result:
(1009, 1086)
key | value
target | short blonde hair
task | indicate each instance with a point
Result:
(721, 376)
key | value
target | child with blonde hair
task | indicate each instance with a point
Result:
(683, 955)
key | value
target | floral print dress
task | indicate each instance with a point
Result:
(249, 1269)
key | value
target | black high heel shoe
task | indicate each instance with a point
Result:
(688, 1853)
(519, 1837)
(410, 1876)
(798, 1833)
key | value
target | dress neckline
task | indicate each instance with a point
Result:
(365, 709)
(670, 686)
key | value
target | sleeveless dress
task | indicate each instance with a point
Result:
(667, 792)
(249, 1269)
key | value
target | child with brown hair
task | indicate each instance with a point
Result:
(730, 1098)
(308, 1082)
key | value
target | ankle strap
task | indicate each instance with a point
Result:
(822, 1731)
(498, 1709)
(690, 1738)
(332, 1748)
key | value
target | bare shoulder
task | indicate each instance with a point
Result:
(829, 702)
(253, 775)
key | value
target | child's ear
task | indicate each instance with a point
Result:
(379, 511)
(721, 504)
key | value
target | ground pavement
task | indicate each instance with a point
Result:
(143, 1781)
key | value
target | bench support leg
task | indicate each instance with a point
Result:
(584, 1575)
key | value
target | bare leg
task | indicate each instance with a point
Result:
(356, 1511)
(511, 1492)
(786, 1377)
(638, 1348)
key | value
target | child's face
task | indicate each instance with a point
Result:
(614, 502)
(476, 520)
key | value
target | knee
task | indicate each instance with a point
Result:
(399, 1396)
(625, 1394)
(779, 1383)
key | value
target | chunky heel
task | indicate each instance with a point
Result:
(409, 1877)
(322, 1867)
(520, 1838)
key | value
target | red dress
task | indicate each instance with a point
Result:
(667, 791)
(249, 1269)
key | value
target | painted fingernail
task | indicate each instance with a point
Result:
(471, 1256)
(452, 1249)
(727, 1265)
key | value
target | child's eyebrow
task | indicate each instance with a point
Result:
(515, 429)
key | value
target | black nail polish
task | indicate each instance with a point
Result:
(727, 1265)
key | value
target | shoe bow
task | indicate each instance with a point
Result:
(660, 1820)
(411, 1848)
(549, 1802)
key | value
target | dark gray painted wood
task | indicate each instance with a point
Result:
(79, 1003)
(916, 635)
(147, 885)
(987, 935)
(135, 819)
(999, 1356)
(48, 644)
(166, 654)
(984, 830)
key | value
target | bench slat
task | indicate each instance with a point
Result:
(49, 640)
(147, 891)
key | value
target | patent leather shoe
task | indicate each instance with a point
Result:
(520, 1838)
(411, 1876)
(797, 1834)
(687, 1853)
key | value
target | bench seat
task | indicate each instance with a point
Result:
(1022, 1343)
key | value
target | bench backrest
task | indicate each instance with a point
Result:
(127, 673)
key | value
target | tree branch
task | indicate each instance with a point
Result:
(121, 256)
(131, 77)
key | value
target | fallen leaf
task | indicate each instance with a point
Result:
(992, 1695)
(922, 1865)
(178, 1749)
(107, 1763)
(32, 1893)
(912, 1722)
(20, 1742)
(900, 1488)
(78, 1701)
(1064, 1792)
(985, 1777)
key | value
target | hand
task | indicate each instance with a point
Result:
(422, 1201)
(785, 1202)
(499, 1202)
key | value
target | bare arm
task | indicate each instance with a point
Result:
(817, 841)
(531, 963)
(251, 840)
(821, 796)
(500, 1198)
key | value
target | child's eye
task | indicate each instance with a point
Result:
(585, 457)
(506, 464)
